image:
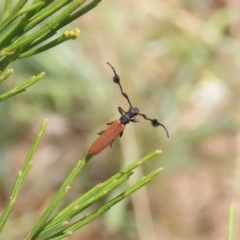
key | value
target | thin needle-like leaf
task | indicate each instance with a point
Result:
(59, 196)
(22, 175)
(231, 222)
(21, 87)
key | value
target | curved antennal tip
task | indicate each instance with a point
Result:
(116, 78)
(155, 123)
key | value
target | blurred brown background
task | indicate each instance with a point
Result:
(179, 61)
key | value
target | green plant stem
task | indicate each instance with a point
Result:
(58, 197)
(12, 32)
(18, 6)
(94, 194)
(44, 13)
(21, 87)
(51, 44)
(65, 21)
(24, 42)
(6, 8)
(89, 218)
(79, 13)
(5, 62)
(16, 39)
(19, 12)
(34, 6)
(22, 175)
(4, 27)
(4, 75)
(80, 204)
(231, 221)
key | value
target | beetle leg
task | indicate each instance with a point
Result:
(121, 133)
(109, 123)
(134, 120)
(121, 111)
(101, 132)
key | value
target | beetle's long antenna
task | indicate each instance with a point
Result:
(155, 123)
(116, 79)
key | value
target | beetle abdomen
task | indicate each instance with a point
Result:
(106, 138)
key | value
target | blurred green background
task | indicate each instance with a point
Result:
(179, 62)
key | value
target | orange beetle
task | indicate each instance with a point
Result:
(117, 127)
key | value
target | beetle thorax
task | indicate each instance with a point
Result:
(129, 116)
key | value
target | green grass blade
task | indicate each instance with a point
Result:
(80, 12)
(231, 222)
(45, 13)
(26, 41)
(65, 216)
(33, 7)
(18, 6)
(6, 9)
(58, 197)
(67, 35)
(4, 75)
(89, 218)
(95, 193)
(21, 87)
(22, 175)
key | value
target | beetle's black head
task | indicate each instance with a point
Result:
(133, 112)
(128, 116)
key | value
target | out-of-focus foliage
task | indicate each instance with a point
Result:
(179, 62)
